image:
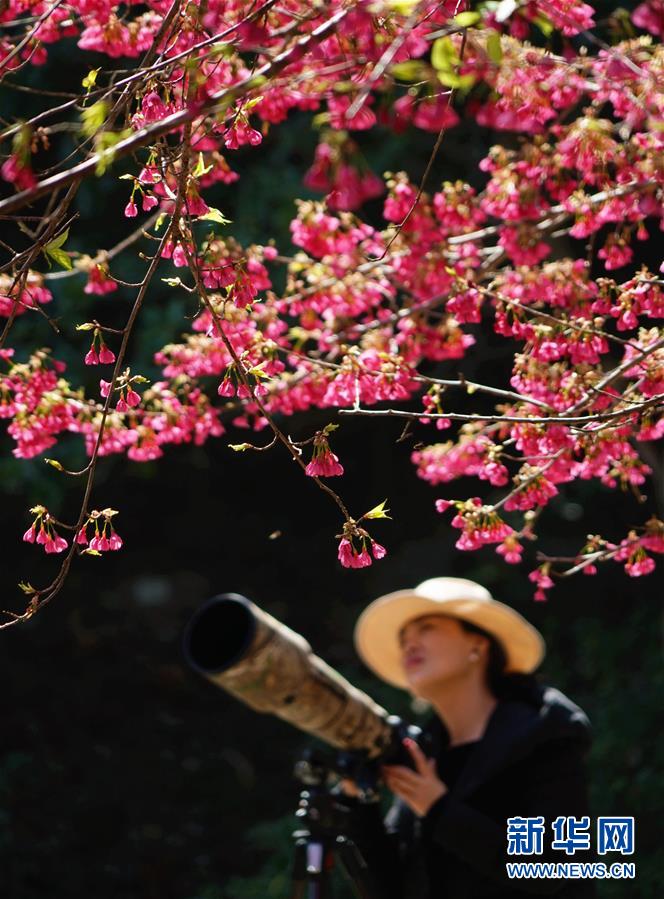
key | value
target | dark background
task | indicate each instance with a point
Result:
(122, 775)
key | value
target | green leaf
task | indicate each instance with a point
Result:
(451, 79)
(87, 326)
(172, 282)
(443, 55)
(105, 146)
(93, 117)
(403, 7)
(58, 241)
(494, 47)
(90, 79)
(54, 463)
(258, 372)
(60, 257)
(53, 251)
(239, 447)
(466, 19)
(545, 25)
(201, 169)
(410, 70)
(214, 215)
(378, 511)
(28, 589)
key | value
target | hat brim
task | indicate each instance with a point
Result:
(378, 627)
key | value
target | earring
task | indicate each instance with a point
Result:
(474, 655)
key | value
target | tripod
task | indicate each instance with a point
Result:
(321, 839)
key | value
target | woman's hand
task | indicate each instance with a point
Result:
(419, 789)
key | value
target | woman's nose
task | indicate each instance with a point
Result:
(408, 643)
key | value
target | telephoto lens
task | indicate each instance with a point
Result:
(271, 668)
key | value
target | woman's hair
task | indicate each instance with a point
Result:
(502, 684)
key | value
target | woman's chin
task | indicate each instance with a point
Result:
(420, 684)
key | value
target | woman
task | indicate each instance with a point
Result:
(502, 747)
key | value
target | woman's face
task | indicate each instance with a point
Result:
(436, 650)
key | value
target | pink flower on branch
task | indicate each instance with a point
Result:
(43, 532)
(324, 463)
(540, 577)
(356, 546)
(105, 537)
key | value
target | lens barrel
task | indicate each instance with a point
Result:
(271, 668)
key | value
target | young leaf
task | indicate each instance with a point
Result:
(58, 241)
(60, 257)
(214, 215)
(443, 55)
(378, 511)
(90, 79)
(466, 19)
(53, 251)
(201, 169)
(494, 48)
(451, 79)
(410, 70)
(545, 25)
(93, 117)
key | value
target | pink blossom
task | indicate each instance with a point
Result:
(98, 281)
(55, 544)
(226, 388)
(106, 356)
(640, 565)
(650, 16)
(324, 464)
(350, 557)
(511, 551)
(131, 210)
(92, 357)
(540, 577)
(114, 541)
(149, 201)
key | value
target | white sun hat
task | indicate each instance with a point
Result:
(378, 627)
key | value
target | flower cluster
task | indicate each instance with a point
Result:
(42, 531)
(105, 537)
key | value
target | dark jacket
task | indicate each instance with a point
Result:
(529, 762)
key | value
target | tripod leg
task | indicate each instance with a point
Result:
(311, 868)
(319, 866)
(299, 875)
(355, 868)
